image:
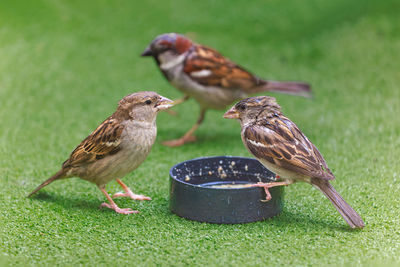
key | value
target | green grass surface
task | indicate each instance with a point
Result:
(65, 64)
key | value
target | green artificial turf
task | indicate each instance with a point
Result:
(65, 64)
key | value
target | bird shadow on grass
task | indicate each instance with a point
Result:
(72, 203)
(285, 219)
(68, 203)
(307, 221)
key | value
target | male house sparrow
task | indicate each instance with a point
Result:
(281, 147)
(204, 74)
(118, 146)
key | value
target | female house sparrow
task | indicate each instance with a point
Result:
(204, 74)
(118, 146)
(281, 147)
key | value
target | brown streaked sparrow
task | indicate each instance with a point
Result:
(118, 146)
(204, 74)
(281, 147)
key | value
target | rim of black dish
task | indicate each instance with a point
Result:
(176, 166)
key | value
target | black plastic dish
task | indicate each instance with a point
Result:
(191, 196)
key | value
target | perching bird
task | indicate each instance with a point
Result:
(204, 74)
(118, 146)
(281, 147)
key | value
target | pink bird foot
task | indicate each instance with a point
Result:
(117, 209)
(114, 206)
(129, 193)
(267, 186)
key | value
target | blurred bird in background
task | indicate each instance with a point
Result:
(210, 78)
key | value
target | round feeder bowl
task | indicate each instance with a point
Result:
(216, 190)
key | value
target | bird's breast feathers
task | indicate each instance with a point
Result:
(169, 61)
(138, 135)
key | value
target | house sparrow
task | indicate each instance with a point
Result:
(204, 74)
(281, 147)
(118, 146)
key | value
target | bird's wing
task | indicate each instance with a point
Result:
(104, 141)
(280, 142)
(209, 68)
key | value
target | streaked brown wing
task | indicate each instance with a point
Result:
(208, 67)
(280, 142)
(104, 141)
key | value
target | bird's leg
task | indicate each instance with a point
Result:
(267, 186)
(114, 206)
(177, 102)
(129, 193)
(187, 137)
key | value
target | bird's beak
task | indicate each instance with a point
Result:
(231, 114)
(164, 103)
(147, 52)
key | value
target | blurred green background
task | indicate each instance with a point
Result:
(65, 64)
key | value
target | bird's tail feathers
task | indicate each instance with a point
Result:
(291, 88)
(59, 175)
(347, 212)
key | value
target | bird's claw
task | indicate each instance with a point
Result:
(266, 186)
(266, 199)
(117, 209)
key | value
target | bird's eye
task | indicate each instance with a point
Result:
(148, 102)
(242, 107)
